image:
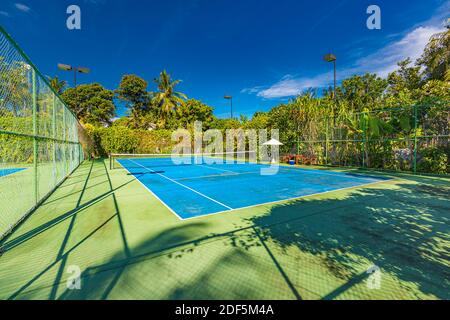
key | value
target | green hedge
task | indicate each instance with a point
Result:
(119, 139)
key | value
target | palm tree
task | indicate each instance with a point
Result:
(166, 98)
(58, 85)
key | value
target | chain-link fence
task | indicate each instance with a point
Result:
(413, 138)
(39, 143)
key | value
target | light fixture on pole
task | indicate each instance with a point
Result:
(231, 104)
(67, 67)
(332, 58)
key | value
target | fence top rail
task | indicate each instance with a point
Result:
(411, 107)
(39, 74)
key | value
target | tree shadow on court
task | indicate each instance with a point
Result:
(99, 281)
(403, 230)
(172, 266)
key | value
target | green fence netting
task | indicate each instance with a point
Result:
(412, 138)
(39, 145)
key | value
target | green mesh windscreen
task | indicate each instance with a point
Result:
(39, 143)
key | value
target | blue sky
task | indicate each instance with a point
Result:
(261, 52)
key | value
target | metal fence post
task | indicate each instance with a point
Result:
(415, 140)
(35, 133)
(326, 140)
(55, 173)
(66, 171)
(363, 146)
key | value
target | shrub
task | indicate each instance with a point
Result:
(120, 139)
(155, 141)
(433, 160)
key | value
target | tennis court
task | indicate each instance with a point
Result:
(306, 232)
(128, 245)
(194, 186)
(7, 172)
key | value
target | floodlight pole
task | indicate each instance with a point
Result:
(231, 107)
(231, 104)
(332, 58)
(334, 85)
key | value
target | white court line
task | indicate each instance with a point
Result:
(255, 205)
(212, 168)
(182, 185)
(165, 204)
(217, 175)
(334, 174)
(286, 200)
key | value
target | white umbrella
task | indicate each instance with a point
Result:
(272, 142)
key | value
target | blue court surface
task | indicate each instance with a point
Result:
(7, 172)
(193, 190)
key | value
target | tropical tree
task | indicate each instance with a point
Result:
(362, 92)
(91, 103)
(166, 98)
(57, 84)
(14, 87)
(190, 111)
(436, 56)
(133, 92)
(406, 80)
(260, 120)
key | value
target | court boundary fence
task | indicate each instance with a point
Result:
(44, 121)
(424, 131)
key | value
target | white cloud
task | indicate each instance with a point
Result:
(385, 60)
(291, 86)
(4, 13)
(382, 62)
(253, 90)
(22, 7)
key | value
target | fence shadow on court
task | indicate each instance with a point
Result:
(402, 229)
(80, 206)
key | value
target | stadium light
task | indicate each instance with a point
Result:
(66, 67)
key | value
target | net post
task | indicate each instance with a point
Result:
(35, 142)
(110, 161)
